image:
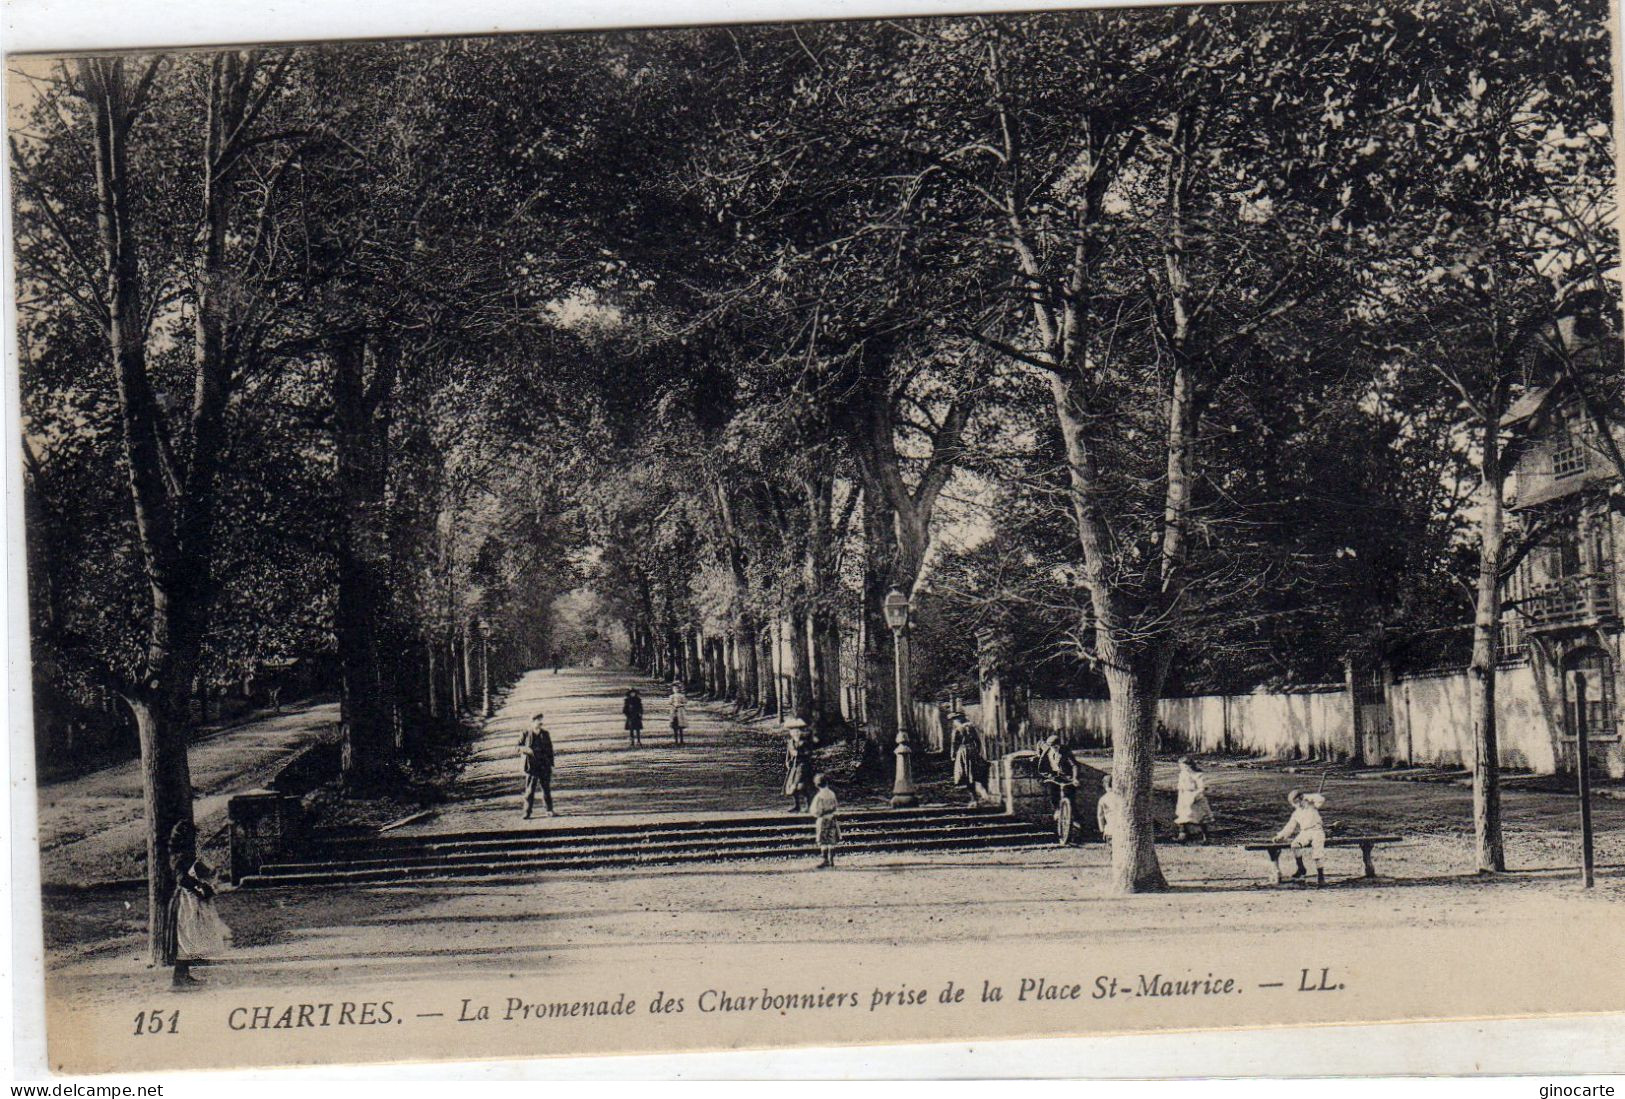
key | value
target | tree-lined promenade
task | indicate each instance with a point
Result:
(1168, 348)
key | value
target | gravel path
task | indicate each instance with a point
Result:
(725, 765)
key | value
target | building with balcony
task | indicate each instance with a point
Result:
(1562, 604)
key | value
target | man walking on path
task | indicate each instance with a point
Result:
(536, 748)
(679, 713)
(633, 709)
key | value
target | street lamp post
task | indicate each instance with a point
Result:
(896, 608)
(1582, 747)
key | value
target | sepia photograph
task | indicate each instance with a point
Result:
(821, 533)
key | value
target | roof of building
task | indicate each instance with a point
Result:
(1526, 406)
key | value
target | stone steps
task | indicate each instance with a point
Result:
(516, 855)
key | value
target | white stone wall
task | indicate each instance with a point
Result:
(1431, 715)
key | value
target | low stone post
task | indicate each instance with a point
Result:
(265, 825)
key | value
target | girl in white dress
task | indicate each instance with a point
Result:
(826, 829)
(1108, 808)
(200, 934)
(1192, 813)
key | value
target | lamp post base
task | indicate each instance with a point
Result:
(902, 793)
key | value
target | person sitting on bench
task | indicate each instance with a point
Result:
(1306, 829)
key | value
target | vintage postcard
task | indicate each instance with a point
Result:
(915, 529)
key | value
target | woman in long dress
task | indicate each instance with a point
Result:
(798, 765)
(193, 930)
(632, 708)
(970, 761)
(1191, 812)
(826, 828)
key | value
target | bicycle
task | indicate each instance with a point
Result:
(1065, 810)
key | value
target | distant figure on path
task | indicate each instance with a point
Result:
(536, 749)
(1191, 812)
(970, 761)
(633, 709)
(1108, 809)
(1306, 829)
(558, 662)
(798, 764)
(679, 713)
(826, 828)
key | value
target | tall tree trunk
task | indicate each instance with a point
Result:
(166, 797)
(783, 667)
(459, 683)
(433, 682)
(826, 643)
(730, 650)
(361, 438)
(896, 533)
(676, 656)
(1134, 691)
(465, 645)
(173, 501)
(1133, 679)
(749, 691)
(879, 669)
(805, 703)
(1491, 850)
(766, 676)
(695, 671)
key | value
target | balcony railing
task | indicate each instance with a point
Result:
(1584, 600)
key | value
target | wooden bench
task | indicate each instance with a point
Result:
(1366, 844)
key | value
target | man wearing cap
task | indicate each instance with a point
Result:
(536, 749)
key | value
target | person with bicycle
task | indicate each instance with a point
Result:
(1059, 771)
